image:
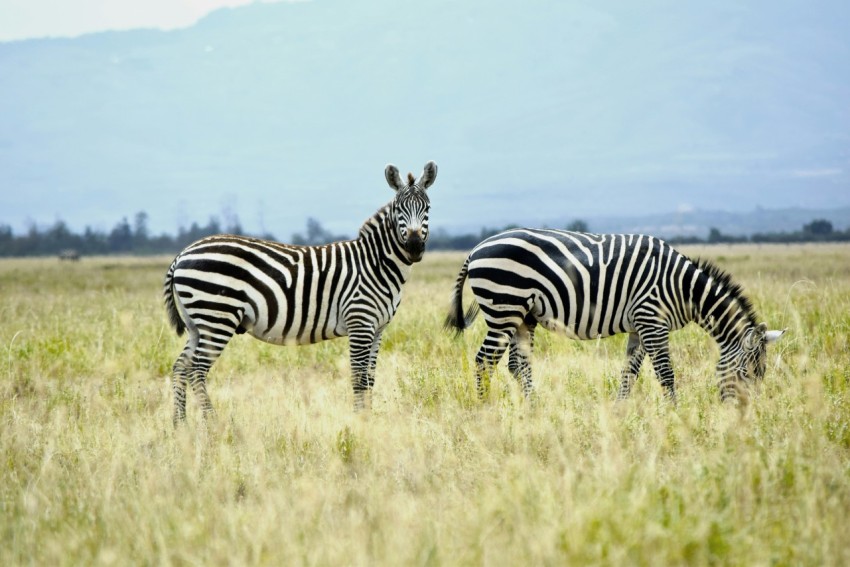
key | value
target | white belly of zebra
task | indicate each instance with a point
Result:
(323, 322)
(598, 316)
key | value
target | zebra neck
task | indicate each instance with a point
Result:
(380, 248)
(720, 312)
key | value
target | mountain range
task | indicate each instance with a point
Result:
(534, 111)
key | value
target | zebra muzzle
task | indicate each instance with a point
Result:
(415, 248)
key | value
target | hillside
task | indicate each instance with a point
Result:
(532, 110)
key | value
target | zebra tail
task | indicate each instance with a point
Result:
(457, 320)
(170, 307)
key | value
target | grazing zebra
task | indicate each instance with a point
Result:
(598, 285)
(283, 294)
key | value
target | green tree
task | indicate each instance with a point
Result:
(121, 237)
(578, 225)
(818, 227)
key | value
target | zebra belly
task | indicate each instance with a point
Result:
(574, 332)
(599, 322)
(295, 334)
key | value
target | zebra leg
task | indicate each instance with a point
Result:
(656, 343)
(180, 375)
(519, 357)
(362, 342)
(210, 345)
(635, 353)
(373, 364)
(198, 381)
(373, 358)
(491, 351)
(180, 379)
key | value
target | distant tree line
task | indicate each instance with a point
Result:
(124, 238)
(135, 238)
(819, 230)
(315, 235)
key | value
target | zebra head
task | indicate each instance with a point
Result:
(750, 359)
(409, 209)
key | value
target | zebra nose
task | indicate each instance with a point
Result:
(415, 245)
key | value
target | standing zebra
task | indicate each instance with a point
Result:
(592, 285)
(282, 294)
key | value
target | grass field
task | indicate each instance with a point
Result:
(93, 473)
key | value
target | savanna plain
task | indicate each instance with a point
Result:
(93, 473)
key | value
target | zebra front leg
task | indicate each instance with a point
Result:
(491, 351)
(635, 353)
(361, 343)
(654, 336)
(659, 353)
(373, 364)
(519, 357)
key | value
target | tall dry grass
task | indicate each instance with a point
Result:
(92, 472)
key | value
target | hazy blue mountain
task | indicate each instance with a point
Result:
(533, 111)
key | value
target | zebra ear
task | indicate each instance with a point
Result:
(771, 336)
(393, 177)
(429, 174)
(761, 335)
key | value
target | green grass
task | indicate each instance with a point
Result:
(92, 472)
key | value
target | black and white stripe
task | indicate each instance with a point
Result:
(282, 294)
(590, 286)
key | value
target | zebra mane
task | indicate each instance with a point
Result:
(410, 179)
(734, 290)
(373, 222)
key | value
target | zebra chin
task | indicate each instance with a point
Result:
(415, 250)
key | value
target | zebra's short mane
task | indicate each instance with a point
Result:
(375, 220)
(410, 179)
(734, 290)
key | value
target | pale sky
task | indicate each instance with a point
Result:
(23, 19)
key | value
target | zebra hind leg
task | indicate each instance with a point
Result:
(210, 345)
(198, 381)
(180, 379)
(519, 357)
(635, 353)
(183, 368)
(491, 351)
